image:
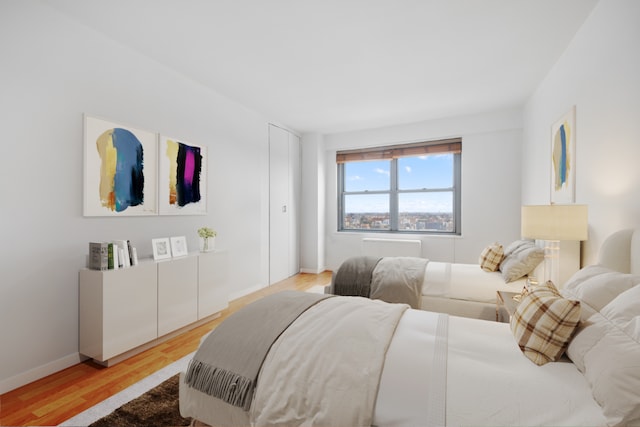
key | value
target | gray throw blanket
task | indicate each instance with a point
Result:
(354, 276)
(390, 279)
(227, 364)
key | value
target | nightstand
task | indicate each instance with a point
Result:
(505, 305)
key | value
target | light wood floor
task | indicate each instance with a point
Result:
(65, 394)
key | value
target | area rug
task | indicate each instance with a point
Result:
(138, 389)
(157, 407)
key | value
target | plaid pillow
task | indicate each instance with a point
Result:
(543, 323)
(491, 257)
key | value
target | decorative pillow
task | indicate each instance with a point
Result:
(543, 323)
(520, 258)
(491, 257)
(517, 244)
(607, 350)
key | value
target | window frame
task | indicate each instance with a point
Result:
(393, 153)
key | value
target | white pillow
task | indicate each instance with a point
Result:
(520, 258)
(598, 286)
(587, 335)
(585, 273)
(517, 244)
(624, 311)
(607, 350)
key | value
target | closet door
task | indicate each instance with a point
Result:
(284, 201)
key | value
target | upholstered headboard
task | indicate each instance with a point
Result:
(621, 251)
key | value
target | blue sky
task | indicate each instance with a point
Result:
(434, 171)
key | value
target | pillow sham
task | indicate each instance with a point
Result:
(491, 257)
(543, 323)
(585, 273)
(520, 259)
(599, 289)
(607, 350)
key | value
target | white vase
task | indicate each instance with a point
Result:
(207, 244)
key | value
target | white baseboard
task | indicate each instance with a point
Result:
(312, 271)
(39, 372)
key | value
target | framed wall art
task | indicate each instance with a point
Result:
(563, 159)
(120, 166)
(182, 177)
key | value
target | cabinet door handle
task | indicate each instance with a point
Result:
(284, 208)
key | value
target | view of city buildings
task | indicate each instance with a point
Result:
(408, 221)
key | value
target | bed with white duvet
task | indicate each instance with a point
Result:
(467, 290)
(415, 367)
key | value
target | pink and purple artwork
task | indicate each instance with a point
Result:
(182, 178)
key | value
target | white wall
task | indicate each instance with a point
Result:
(599, 73)
(491, 153)
(54, 70)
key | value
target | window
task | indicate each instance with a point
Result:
(410, 188)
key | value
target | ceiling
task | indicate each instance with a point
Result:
(336, 65)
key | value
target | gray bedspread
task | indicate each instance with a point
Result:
(353, 277)
(390, 279)
(227, 364)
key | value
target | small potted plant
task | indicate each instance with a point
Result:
(207, 239)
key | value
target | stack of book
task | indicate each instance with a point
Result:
(112, 255)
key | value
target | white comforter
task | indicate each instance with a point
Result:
(465, 282)
(487, 381)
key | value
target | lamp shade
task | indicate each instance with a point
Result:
(554, 222)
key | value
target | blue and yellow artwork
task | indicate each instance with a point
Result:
(563, 161)
(561, 155)
(120, 168)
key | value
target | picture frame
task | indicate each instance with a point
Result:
(120, 169)
(563, 159)
(161, 248)
(179, 246)
(182, 177)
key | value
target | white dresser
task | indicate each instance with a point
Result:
(126, 311)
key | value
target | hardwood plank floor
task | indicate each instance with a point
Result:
(60, 396)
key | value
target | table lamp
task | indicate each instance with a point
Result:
(553, 223)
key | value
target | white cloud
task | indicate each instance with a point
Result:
(382, 171)
(408, 169)
(355, 178)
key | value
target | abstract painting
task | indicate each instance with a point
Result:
(182, 178)
(563, 158)
(120, 165)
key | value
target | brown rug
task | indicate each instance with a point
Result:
(157, 407)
